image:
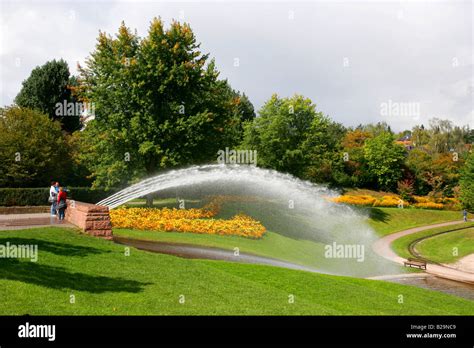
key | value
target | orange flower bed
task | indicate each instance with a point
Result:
(187, 220)
(429, 205)
(367, 200)
(161, 214)
(357, 200)
(391, 201)
(449, 201)
(422, 202)
(421, 199)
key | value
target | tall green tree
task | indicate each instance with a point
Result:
(420, 136)
(291, 136)
(32, 149)
(245, 107)
(158, 104)
(47, 86)
(385, 160)
(355, 165)
(469, 137)
(420, 163)
(278, 134)
(323, 149)
(467, 183)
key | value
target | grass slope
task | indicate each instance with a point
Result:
(274, 245)
(271, 244)
(389, 220)
(105, 281)
(439, 248)
(304, 252)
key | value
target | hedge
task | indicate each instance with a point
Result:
(39, 196)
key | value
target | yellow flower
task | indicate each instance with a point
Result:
(187, 220)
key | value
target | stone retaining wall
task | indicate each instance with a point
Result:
(92, 219)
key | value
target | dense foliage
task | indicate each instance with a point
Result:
(39, 195)
(291, 136)
(46, 86)
(467, 183)
(33, 149)
(384, 160)
(158, 104)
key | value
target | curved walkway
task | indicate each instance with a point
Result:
(383, 248)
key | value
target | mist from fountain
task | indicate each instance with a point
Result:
(284, 204)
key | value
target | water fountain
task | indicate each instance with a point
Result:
(285, 205)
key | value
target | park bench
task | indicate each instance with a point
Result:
(415, 263)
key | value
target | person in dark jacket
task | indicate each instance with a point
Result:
(62, 205)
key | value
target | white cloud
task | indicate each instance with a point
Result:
(395, 51)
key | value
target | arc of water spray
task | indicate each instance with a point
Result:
(204, 174)
(312, 216)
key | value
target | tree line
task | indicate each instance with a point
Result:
(157, 102)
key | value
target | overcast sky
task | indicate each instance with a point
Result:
(352, 58)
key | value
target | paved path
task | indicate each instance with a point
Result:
(466, 263)
(383, 248)
(23, 221)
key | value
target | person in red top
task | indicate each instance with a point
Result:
(62, 205)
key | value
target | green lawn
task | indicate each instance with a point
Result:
(272, 244)
(389, 220)
(439, 248)
(449, 247)
(106, 281)
(305, 252)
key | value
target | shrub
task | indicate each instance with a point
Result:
(39, 196)
(405, 189)
(23, 196)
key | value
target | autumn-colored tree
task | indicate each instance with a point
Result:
(355, 139)
(405, 189)
(158, 104)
